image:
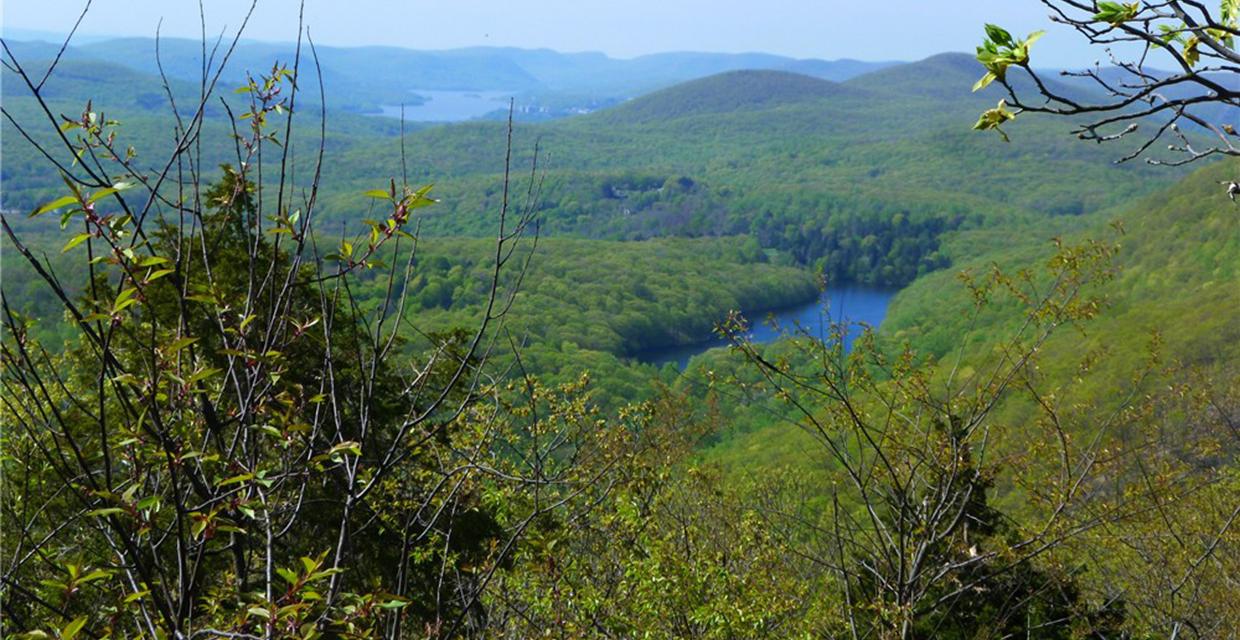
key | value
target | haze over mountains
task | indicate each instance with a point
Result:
(545, 84)
(366, 78)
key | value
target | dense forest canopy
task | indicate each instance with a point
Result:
(275, 366)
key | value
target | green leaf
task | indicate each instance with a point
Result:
(998, 35)
(354, 448)
(237, 479)
(419, 199)
(1115, 13)
(75, 241)
(54, 204)
(99, 513)
(153, 260)
(992, 119)
(378, 194)
(97, 574)
(201, 375)
(124, 300)
(999, 51)
(1229, 17)
(326, 573)
(1192, 52)
(984, 82)
(103, 193)
(73, 628)
(181, 343)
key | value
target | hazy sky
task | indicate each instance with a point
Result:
(864, 29)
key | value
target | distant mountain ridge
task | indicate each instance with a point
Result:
(944, 79)
(373, 76)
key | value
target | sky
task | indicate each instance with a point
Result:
(828, 29)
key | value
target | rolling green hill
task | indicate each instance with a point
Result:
(724, 93)
(1178, 273)
(946, 76)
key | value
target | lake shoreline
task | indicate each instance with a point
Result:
(845, 303)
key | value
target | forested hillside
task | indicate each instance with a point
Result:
(1176, 272)
(614, 297)
(1145, 372)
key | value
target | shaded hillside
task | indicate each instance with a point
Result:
(943, 76)
(725, 93)
(1178, 273)
(108, 85)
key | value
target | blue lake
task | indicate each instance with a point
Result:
(451, 106)
(846, 304)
